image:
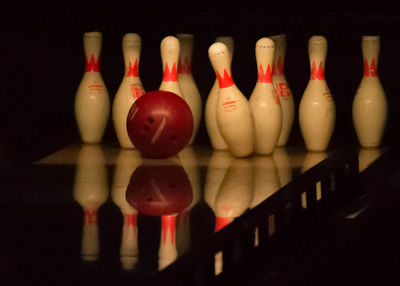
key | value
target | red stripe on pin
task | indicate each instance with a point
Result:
(92, 65)
(170, 75)
(225, 81)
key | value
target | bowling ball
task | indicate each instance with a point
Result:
(159, 190)
(159, 124)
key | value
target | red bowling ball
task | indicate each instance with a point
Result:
(159, 190)
(159, 124)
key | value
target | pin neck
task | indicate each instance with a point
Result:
(184, 66)
(370, 69)
(225, 80)
(92, 65)
(132, 70)
(170, 75)
(264, 77)
(317, 73)
(278, 67)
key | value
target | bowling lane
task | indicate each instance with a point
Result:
(101, 214)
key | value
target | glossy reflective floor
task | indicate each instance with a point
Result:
(101, 214)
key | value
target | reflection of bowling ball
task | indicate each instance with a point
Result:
(159, 190)
(159, 124)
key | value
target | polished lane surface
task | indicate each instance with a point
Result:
(101, 214)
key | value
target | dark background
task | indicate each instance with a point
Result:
(42, 59)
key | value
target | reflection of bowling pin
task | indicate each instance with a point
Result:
(217, 141)
(127, 162)
(266, 179)
(311, 159)
(216, 170)
(186, 81)
(170, 50)
(266, 183)
(234, 116)
(369, 105)
(283, 165)
(188, 161)
(282, 88)
(367, 156)
(90, 191)
(317, 109)
(233, 198)
(167, 252)
(92, 102)
(130, 89)
(264, 101)
(235, 193)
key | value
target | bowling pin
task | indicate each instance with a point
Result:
(369, 104)
(90, 191)
(170, 50)
(283, 165)
(127, 162)
(234, 116)
(186, 81)
(217, 141)
(167, 252)
(130, 89)
(92, 102)
(367, 156)
(317, 112)
(264, 101)
(282, 88)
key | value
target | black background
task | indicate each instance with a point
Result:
(42, 63)
(42, 59)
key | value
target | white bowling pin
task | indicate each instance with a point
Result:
(170, 50)
(282, 88)
(264, 101)
(92, 102)
(283, 164)
(130, 89)
(167, 252)
(369, 104)
(186, 81)
(317, 112)
(217, 141)
(367, 156)
(90, 191)
(234, 116)
(127, 162)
